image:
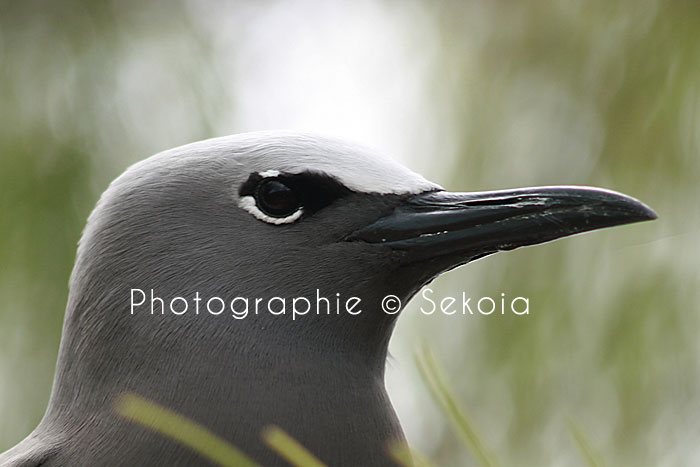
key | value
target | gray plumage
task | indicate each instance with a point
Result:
(174, 223)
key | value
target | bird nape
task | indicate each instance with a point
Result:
(263, 218)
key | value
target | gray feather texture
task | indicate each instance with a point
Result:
(172, 223)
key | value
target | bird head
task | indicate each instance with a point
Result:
(280, 214)
(249, 223)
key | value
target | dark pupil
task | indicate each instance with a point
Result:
(274, 198)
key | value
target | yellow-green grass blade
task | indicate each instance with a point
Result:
(288, 448)
(403, 455)
(593, 458)
(441, 392)
(175, 426)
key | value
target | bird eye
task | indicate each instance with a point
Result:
(281, 198)
(276, 199)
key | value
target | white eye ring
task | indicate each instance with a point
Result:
(248, 203)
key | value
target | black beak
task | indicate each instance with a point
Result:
(471, 225)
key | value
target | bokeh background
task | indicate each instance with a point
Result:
(480, 94)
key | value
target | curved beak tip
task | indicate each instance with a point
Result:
(647, 213)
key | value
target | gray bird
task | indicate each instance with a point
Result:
(258, 216)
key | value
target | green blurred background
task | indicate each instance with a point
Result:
(475, 95)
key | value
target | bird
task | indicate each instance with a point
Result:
(181, 241)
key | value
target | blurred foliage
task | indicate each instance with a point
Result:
(606, 94)
(511, 94)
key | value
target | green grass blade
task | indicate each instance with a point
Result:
(288, 448)
(403, 455)
(187, 432)
(593, 458)
(439, 389)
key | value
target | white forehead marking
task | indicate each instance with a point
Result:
(269, 173)
(357, 167)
